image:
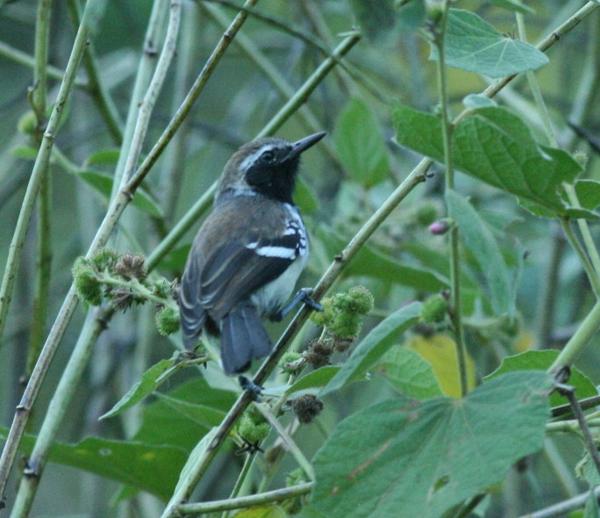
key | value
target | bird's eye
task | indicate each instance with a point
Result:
(268, 157)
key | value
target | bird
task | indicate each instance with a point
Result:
(248, 254)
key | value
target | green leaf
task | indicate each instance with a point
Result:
(166, 421)
(360, 145)
(495, 146)
(374, 18)
(186, 475)
(542, 360)
(175, 260)
(371, 262)
(426, 457)
(479, 240)
(24, 152)
(200, 414)
(305, 197)
(513, 5)
(153, 468)
(409, 373)
(314, 379)
(105, 157)
(374, 345)
(475, 45)
(588, 193)
(102, 183)
(142, 388)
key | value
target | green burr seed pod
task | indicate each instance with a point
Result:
(362, 299)
(251, 431)
(105, 259)
(434, 309)
(167, 320)
(87, 285)
(27, 124)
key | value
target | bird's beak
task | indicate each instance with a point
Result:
(303, 144)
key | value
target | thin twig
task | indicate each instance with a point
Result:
(39, 168)
(565, 507)
(569, 392)
(246, 501)
(22, 58)
(305, 114)
(114, 212)
(438, 34)
(592, 275)
(39, 101)
(585, 403)
(99, 92)
(65, 391)
(288, 441)
(579, 340)
(142, 80)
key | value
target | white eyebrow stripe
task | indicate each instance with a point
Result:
(249, 160)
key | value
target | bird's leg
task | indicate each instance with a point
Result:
(252, 388)
(302, 296)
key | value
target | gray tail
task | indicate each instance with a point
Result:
(243, 338)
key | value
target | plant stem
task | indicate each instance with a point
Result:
(573, 240)
(548, 299)
(175, 156)
(65, 391)
(39, 101)
(535, 88)
(246, 468)
(588, 241)
(204, 202)
(565, 507)
(110, 220)
(305, 114)
(246, 501)
(579, 340)
(22, 58)
(142, 80)
(39, 168)
(98, 91)
(439, 32)
(288, 441)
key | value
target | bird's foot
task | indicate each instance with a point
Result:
(252, 388)
(302, 296)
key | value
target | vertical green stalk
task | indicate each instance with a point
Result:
(39, 102)
(175, 155)
(41, 164)
(440, 11)
(114, 212)
(98, 90)
(590, 251)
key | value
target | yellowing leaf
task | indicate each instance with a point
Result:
(524, 341)
(440, 352)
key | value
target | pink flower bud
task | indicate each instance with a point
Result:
(439, 227)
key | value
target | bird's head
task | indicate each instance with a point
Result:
(267, 166)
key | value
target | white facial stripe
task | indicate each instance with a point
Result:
(249, 160)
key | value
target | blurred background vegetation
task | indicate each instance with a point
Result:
(391, 62)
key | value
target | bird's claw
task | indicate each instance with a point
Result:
(252, 388)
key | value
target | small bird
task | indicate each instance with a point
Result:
(248, 254)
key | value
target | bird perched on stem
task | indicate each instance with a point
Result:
(248, 254)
